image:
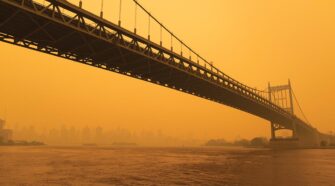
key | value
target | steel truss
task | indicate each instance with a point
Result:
(86, 24)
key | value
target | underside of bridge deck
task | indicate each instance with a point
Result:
(73, 39)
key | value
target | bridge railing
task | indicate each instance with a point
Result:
(200, 59)
(113, 32)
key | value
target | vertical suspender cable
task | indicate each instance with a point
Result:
(120, 9)
(190, 54)
(171, 42)
(287, 97)
(135, 28)
(161, 35)
(283, 98)
(149, 22)
(102, 9)
(181, 48)
(274, 98)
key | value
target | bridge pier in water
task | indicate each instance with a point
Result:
(301, 137)
(280, 142)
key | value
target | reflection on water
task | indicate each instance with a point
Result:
(164, 166)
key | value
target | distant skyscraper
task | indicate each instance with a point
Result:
(99, 134)
(86, 135)
(5, 134)
(2, 124)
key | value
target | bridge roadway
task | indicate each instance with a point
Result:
(81, 36)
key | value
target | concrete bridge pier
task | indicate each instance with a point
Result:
(301, 138)
(308, 138)
(280, 142)
(326, 140)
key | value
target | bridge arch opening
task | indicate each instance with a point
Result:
(284, 133)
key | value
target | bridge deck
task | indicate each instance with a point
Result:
(91, 40)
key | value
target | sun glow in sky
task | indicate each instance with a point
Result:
(255, 42)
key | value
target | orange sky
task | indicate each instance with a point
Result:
(253, 41)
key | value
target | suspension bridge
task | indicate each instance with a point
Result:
(66, 30)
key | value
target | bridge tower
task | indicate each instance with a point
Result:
(283, 97)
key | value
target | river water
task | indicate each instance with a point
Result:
(165, 166)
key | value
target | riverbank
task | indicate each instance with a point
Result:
(22, 143)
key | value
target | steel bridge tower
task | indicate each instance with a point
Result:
(282, 96)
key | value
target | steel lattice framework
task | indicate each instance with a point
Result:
(81, 36)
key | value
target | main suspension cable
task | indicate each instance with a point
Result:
(302, 112)
(173, 36)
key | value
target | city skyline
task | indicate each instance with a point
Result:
(70, 135)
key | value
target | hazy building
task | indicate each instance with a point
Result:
(86, 135)
(5, 134)
(99, 135)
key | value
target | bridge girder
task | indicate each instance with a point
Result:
(105, 45)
